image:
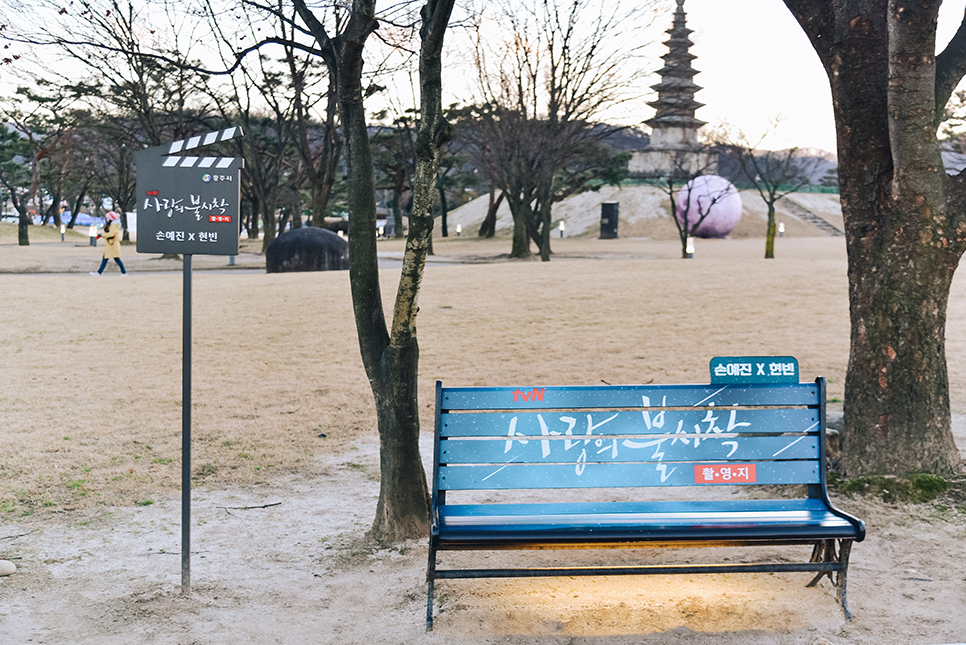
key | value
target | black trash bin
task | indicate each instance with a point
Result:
(608, 220)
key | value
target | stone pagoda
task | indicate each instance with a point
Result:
(674, 150)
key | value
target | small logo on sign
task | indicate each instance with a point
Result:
(206, 178)
(151, 193)
(220, 218)
(535, 395)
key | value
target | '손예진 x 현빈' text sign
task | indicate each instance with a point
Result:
(754, 369)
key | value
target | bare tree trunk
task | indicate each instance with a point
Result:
(390, 359)
(770, 234)
(488, 228)
(521, 235)
(443, 228)
(403, 508)
(545, 200)
(683, 229)
(397, 217)
(20, 205)
(320, 169)
(402, 511)
(295, 206)
(23, 237)
(321, 193)
(78, 202)
(269, 224)
(902, 235)
(251, 219)
(395, 212)
(53, 213)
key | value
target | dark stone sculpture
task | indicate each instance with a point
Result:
(307, 249)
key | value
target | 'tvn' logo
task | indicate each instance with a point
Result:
(535, 395)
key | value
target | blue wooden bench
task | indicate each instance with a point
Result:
(600, 441)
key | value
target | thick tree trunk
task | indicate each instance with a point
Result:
(402, 511)
(545, 242)
(900, 270)
(521, 239)
(897, 393)
(23, 237)
(902, 242)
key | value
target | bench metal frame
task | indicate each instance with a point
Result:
(500, 439)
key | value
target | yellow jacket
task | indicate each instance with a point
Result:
(112, 238)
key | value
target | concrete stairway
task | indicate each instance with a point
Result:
(808, 216)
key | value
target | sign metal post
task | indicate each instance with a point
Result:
(186, 430)
(188, 205)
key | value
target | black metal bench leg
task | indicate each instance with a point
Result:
(825, 551)
(845, 547)
(430, 583)
(429, 606)
(822, 552)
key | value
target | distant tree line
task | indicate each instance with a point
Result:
(70, 137)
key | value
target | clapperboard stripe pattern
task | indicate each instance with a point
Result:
(202, 140)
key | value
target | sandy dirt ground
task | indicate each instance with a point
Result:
(90, 453)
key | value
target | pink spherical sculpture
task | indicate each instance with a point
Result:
(713, 197)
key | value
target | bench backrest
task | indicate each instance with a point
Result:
(611, 436)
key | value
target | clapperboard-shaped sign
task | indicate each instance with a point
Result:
(754, 369)
(188, 204)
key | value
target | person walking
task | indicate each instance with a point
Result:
(112, 239)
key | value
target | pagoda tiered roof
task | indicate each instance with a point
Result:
(675, 105)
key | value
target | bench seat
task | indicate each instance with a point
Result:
(800, 520)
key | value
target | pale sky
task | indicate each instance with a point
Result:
(756, 64)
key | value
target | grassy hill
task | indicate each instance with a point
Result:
(645, 212)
